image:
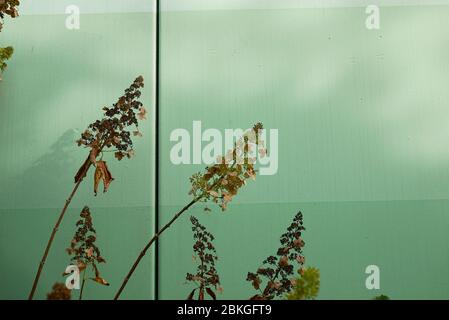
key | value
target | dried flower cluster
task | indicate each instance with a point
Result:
(113, 131)
(221, 182)
(59, 291)
(206, 277)
(83, 249)
(9, 8)
(278, 270)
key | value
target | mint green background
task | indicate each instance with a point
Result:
(56, 84)
(363, 150)
(362, 118)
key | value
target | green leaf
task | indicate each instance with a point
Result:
(307, 285)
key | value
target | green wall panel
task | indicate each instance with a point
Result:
(362, 118)
(56, 84)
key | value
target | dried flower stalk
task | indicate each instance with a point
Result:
(278, 270)
(219, 183)
(110, 131)
(206, 278)
(85, 253)
(8, 8)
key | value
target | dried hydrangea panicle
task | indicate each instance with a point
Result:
(206, 278)
(113, 131)
(59, 291)
(278, 269)
(110, 131)
(222, 181)
(9, 7)
(83, 249)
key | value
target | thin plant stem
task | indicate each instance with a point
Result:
(82, 286)
(99, 135)
(53, 233)
(159, 233)
(61, 216)
(152, 240)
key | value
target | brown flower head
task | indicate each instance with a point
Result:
(113, 129)
(279, 270)
(59, 291)
(83, 249)
(206, 277)
(222, 181)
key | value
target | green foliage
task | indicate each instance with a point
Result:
(5, 54)
(382, 297)
(307, 285)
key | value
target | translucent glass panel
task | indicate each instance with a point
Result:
(55, 85)
(362, 119)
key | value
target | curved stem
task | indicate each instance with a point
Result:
(158, 234)
(82, 286)
(145, 249)
(55, 229)
(86, 165)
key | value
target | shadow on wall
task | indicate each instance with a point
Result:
(51, 173)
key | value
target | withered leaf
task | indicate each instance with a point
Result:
(211, 293)
(83, 170)
(102, 173)
(100, 280)
(93, 154)
(190, 296)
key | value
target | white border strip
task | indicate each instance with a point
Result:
(198, 5)
(35, 7)
(50, 7)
